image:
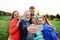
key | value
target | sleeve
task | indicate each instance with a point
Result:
(56, 33)
(13, 28)
(50, 35)
(22, 26)
(46, 35)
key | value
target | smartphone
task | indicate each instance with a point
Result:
(40, 27)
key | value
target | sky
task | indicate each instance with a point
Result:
(50, 6)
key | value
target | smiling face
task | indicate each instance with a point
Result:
(41, 21)
(16, 15)
(33, 21)
(32, 11)
(27, 15)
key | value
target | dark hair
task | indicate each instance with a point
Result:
(12, 15)
(32, 7)
(46, 20)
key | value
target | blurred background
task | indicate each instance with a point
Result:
(50, 8)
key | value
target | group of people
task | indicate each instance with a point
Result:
(24, 28)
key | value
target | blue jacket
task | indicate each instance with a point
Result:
(49, 33)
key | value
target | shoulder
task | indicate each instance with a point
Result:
(46, 26)
(22, 21)
(12, 21)
(36, 16)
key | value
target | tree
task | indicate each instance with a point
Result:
(52, 17)
(58, 16)
(3, 13)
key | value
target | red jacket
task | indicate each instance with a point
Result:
(14, 30)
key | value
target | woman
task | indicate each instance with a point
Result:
(34, 20)
(48, 30)
(38, 35)
(13, 28)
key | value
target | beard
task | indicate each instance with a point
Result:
(32, 14)
(27, 19)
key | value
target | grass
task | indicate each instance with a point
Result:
(4, 27)
(56, 24)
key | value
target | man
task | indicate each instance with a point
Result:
(25, 26)
(32, 12)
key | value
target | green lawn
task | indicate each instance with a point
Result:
(56, 24)
(4, 27)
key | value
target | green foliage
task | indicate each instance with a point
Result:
(3, 13)
(52, 17)
(4, 27)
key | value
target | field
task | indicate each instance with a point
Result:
(56, 24)
(4, 27)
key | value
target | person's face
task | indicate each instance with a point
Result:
(41, 21)
(32, 12)
(34, 21)
(16, 15)
(27, 16)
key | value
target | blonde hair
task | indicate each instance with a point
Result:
(46, 19)
(33, 17)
